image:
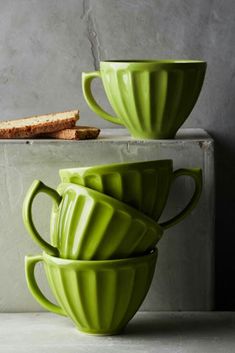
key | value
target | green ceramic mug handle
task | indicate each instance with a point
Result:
(37, 187)
(30, 263)
(87, 77)
(196, 174)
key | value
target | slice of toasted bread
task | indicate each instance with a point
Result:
(75, 133)
(38, 124)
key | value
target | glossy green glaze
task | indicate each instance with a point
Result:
(87, 224)
(99, 296)
(152, 99)
(143, 185)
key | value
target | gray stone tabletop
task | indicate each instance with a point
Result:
(120, 134)
(163, 332)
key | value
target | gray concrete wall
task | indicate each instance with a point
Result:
(46, 44)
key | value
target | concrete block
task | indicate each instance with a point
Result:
(184, 277)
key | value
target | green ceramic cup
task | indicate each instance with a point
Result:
(99, 296)
(89, 225)
(143, 185)
(151, 98)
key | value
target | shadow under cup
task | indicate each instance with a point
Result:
(99, 296)
(151, 98)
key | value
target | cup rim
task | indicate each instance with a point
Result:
(125, 165)
(62, 262)
(155, 61)
(62, 187)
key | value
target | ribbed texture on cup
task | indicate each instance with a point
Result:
(101, 299)
(154, 104)
(91, 228)
(146, 189)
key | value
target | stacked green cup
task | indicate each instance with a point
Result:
(101, 258)
(105, 219)
(151, 98)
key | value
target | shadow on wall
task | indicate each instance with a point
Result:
(225, 223)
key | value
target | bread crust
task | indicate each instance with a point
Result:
(75, 133)
(29, 131)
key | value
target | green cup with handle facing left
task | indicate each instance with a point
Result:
(151, 98)
(100, 297)
(89, 225)
(143, 185)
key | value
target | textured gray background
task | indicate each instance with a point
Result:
(46, 44)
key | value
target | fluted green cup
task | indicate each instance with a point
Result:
(100, 297)
(89, 225)
(151, 98)
(142, 185)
